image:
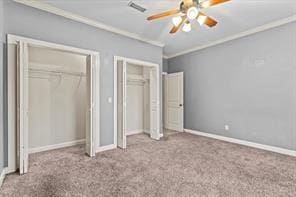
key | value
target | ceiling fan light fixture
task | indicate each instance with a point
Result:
(187, 27)
(202, 19)
(177, 20)
(189, 11)
(205, 4)
(192, 13)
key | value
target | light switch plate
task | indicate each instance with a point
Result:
(110, 100)
(226, 127)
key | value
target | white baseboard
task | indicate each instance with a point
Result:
(2, 177)
(174, 128)
(140, 131)
(56, 146)
(105, 148)
(147, 131)
(134, 132)
(246, 143)
(8, 171)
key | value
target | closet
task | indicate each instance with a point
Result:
(57, 99)
(54, 101)
(137, 99)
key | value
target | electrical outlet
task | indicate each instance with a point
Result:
(226, 127)
(259, 62)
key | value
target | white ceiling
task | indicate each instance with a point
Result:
(233, 17)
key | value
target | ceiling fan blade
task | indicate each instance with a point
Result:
(164, 14)
(176, 28)
(204, 19)
(188, 3)
(209, 3)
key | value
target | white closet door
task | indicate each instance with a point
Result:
(121, 104)
(22, 105)
(154, 104)
(90, 144)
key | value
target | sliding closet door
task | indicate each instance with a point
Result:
(121, 104)
(90, 144)
(22, 105)
(154, 104)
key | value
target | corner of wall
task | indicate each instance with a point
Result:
(1, 92)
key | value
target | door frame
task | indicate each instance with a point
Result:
(11, 121)
(163, 74)
(140, 63)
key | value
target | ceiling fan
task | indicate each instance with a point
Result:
(189, 11)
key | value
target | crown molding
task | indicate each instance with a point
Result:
(236, 36)
(165, 57)
(60, 12)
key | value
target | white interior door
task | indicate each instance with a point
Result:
(174, 108)
(90, 144)
(154, 104)
(22, 105)
(121, 104)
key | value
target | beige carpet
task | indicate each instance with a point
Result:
(179, 165)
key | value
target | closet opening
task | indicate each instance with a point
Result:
(55, 101)
(137, 100)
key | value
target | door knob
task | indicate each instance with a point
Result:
(181, 105)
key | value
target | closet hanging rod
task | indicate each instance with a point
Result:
(136, 80)
(57, 72)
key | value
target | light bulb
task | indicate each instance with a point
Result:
(201, 19)
(177, 20)
(187, 27)
(205, 4)
(192, 13)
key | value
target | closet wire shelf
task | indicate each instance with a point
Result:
(42, 71)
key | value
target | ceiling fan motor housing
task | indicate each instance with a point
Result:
(184, 8)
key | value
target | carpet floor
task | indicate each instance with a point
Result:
(178, 165)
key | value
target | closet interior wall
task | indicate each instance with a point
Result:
(138, 105)
(57, 98)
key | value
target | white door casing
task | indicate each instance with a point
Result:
(90, 143)
(154, 105)
(121, 104)
(174, 106)
(22, 105)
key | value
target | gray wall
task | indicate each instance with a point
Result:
(248, 83)
(30, 22)
(165, 65)
(1, 88)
